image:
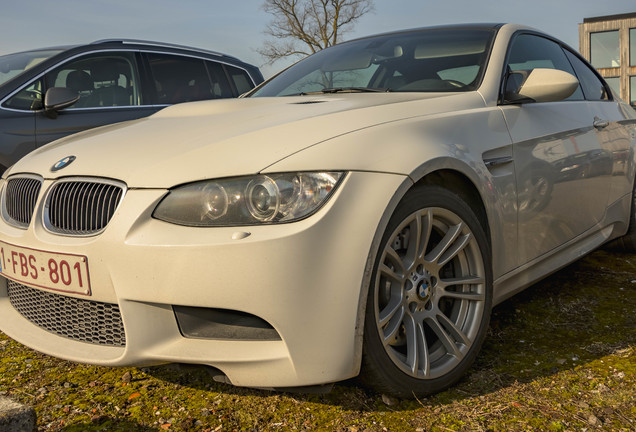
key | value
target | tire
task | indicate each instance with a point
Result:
(627, 243)
(423, 328)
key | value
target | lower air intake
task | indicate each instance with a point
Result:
(77, 319)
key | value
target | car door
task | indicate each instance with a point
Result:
(615, 129)
(562, 184)
(109, 89)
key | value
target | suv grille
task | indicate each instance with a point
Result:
(81, 207)
(20, 197)
(77, 319)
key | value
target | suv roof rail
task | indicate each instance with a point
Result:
(162, 44)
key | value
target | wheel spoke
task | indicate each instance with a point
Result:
(458, 245)
(424, 363)
(412, 342)
(393, 257)
(452, 329)
(449, 238)
(391, 274)
(471, 296)
(390, 310)
(444, 337)
(424, 232)
(468, 280)
(393, 326)
(416, 348)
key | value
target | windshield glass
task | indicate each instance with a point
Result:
(12, 65)
(434, 60)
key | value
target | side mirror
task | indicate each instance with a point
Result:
(540, 85)
(57, 98)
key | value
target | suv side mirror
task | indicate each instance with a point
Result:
(539, 85)
(57, 98)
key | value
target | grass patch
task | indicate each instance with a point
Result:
(561, 356)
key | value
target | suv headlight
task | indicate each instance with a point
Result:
(253, 200)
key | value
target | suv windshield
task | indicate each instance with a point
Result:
(12, 65)
(433, 60)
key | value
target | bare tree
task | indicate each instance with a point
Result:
(303, 27)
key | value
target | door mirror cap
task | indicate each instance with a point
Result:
(541, 85)
(58, 98)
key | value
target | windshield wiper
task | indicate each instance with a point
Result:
(354, 90)
(329, 90)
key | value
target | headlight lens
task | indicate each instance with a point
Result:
(261, 199)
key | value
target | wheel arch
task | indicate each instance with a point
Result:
(449, 177)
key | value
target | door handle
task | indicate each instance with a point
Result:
(599, 123)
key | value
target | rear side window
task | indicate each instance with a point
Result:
(240, 78)
(220, 85)
(593, 87)
(185, 79)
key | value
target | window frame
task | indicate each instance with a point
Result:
(619, 49)
(564, 47)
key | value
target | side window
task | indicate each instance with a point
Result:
(102, 80)
(593, 87)
(528, 52)
(179, 79)
(29, 98)
(220, 85)
(241, 79)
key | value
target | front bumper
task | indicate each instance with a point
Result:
(303, 278)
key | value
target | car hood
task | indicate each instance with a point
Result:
(214, 139)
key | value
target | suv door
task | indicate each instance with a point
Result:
(557, 155)
(109, 88)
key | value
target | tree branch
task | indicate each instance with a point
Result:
(302, 27)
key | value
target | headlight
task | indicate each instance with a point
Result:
(261, 199)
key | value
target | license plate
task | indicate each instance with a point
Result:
(49, 270)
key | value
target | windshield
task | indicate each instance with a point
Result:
(434, 60)
(12, 65)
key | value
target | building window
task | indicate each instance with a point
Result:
(632, 47)
(615, 84)
(605, 52)
(632, 91)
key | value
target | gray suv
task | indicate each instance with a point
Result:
(49, 93)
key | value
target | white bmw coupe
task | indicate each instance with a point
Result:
(360, 212)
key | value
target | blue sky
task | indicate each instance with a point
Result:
(236, 26)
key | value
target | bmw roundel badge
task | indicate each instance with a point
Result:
(62, 163)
